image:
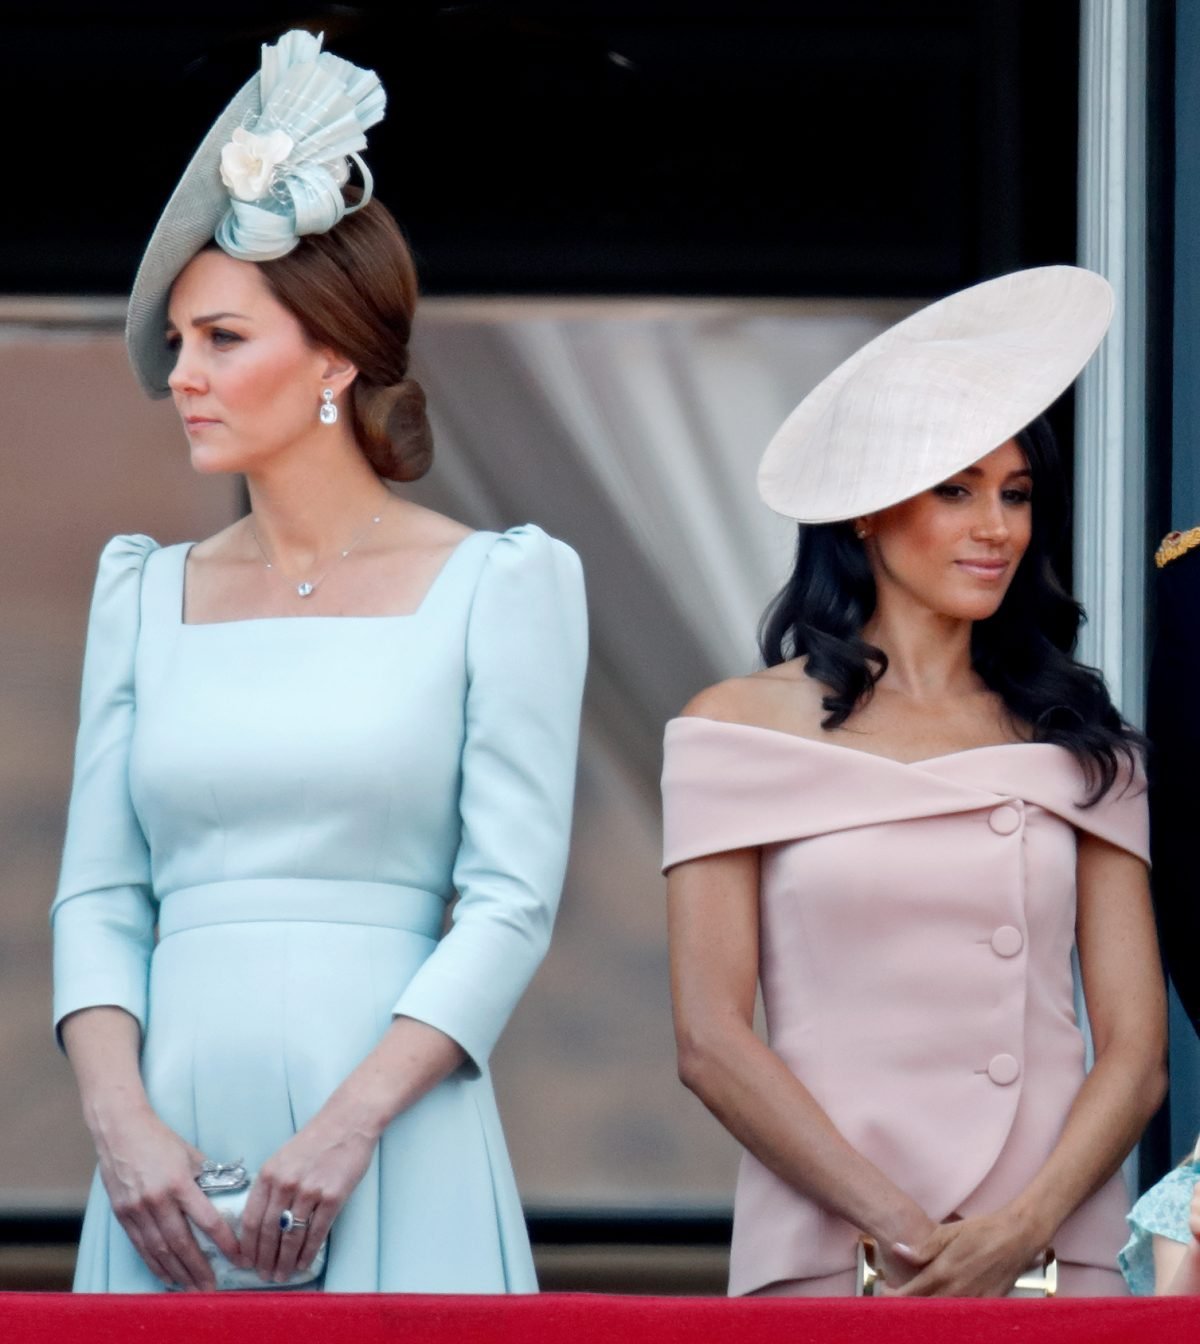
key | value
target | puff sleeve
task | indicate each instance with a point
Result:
(103, 915)
(526, 654)
(1161, 1212)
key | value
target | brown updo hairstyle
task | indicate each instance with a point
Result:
(354, 289)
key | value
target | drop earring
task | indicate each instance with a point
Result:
(329, 412)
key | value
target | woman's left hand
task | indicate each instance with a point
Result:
(315, 1172)
(972, 1257)
(312, 1175)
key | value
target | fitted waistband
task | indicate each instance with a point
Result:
(306, 900)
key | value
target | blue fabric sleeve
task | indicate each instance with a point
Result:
(1161, 1212)
(103, 916)
(526, 658)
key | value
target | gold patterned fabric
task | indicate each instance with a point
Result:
(1175, 544)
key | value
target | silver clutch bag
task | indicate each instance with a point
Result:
(227, 1184)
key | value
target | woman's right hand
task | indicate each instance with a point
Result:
(150, 1175)
(148, 1170)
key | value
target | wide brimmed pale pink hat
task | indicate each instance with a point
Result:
(935, 393)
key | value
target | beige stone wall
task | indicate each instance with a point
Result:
(82, 455)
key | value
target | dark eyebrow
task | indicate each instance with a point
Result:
(978, 471)
(207, 319)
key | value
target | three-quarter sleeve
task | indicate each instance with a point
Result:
(526, 652)
(103, 916)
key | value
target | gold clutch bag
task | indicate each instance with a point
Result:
(1040, 1280)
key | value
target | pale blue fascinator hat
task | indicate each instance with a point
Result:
(270, 170)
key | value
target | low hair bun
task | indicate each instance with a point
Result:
(393, 429)
(353, 290)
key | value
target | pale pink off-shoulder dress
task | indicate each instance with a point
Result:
(917, 924)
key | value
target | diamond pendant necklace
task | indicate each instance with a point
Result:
(306, 587)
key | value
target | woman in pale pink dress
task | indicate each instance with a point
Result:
(903, 826)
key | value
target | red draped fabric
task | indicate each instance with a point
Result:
(569, 1318)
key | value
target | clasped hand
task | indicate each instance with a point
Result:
(972, 1257)
(312, 1175)
(149, 1172)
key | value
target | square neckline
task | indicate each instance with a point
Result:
(447, 564)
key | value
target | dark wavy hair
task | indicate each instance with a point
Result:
(1023, 652)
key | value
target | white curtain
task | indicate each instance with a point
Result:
(633, 430)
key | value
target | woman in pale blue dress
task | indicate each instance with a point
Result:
(325, 765)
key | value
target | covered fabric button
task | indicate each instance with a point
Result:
(1003, 1069)
(1007, 941)
(1004, 819)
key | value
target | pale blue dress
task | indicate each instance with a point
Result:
(1161, 1212)
(294, 803)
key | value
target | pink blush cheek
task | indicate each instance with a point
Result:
(257, 375)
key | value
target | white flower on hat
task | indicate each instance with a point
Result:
(249, 161)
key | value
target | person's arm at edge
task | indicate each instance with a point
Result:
(713, 926)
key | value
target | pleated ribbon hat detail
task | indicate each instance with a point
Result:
(935, 393)
(270, 170)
